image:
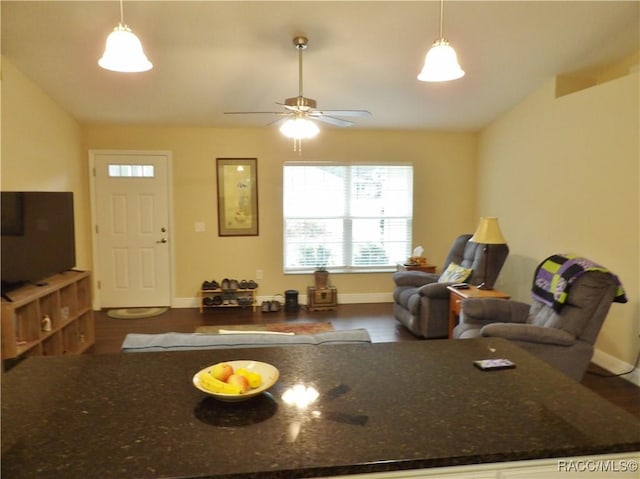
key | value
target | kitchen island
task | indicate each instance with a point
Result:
(402, 406)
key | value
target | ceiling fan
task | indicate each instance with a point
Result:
(300, 107)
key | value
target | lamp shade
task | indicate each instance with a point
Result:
(123, 52)
(441, 63)
(299, 128)
(488, 232)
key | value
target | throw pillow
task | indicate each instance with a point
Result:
(455, 274)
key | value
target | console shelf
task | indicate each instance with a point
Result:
(49, 320)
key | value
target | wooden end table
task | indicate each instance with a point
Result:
(457, 295)
(425, 268)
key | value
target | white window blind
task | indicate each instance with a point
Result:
(347, 217)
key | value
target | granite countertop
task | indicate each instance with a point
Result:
(382, 406)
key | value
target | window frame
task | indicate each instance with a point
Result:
(347, 220)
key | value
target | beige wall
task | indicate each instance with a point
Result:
(42, 150)
(444, 170)
(563, 177)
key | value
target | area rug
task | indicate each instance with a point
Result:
(295, 328)
(135, 313)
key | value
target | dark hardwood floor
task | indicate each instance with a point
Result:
(377, 319)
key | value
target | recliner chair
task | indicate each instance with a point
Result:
(421, 303)
(560, 333)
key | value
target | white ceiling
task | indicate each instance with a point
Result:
(214, 56)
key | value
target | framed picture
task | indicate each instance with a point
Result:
(237, 196)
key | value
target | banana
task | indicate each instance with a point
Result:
(217, 386)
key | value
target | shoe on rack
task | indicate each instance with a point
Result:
(233, 284)
(244, 301)
(224, 286)
(217, 300)
(214, 284)
(252, 284)
(266, 306)
(206, 285)
(243, 284)
(207, 301)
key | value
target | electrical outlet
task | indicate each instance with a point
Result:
(259, 274)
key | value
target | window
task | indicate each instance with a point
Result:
(349, 218)
(131, 171)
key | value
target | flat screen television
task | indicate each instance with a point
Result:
(38, 236)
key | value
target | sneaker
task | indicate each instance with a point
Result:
(214, 284)
(266, 306)
(233, 284)
(252, 284)
(275, 306)
(243, 284)
(225, 285)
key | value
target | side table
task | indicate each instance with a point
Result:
(457, 295)
(322, 299)
(425, 268)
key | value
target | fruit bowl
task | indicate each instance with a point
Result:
(268, 373)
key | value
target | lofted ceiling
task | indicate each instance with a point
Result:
(215, 56)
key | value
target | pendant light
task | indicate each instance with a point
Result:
(123, 52)
(441, 62)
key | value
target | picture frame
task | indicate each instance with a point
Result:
(237, 180)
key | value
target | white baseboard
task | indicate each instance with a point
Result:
(616, 366)
(353, 298)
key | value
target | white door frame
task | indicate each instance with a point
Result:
(94, 240)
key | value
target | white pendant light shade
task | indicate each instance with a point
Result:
(124, 53)
(299, 128)
(441, 63)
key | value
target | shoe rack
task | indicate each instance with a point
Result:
(228, 294)
(49, 320)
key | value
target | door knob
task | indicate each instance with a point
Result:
(163, 240)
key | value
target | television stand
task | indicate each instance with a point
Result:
(48, 319)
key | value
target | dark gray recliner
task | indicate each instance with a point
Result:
(421, 303)
(562, 338)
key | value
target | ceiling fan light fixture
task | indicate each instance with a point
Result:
(441, 63)
(123, 52)
(299, 128)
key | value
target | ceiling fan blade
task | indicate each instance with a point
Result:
(278, 121)
(359, 113)
(253, 113)
(332, 121)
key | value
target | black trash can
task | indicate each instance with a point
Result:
(291, 301)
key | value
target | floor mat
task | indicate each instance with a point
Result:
(135, 313)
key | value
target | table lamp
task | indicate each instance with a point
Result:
(487, 233)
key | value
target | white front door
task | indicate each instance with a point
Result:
(131, 201)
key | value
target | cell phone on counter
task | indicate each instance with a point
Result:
(491, 364)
